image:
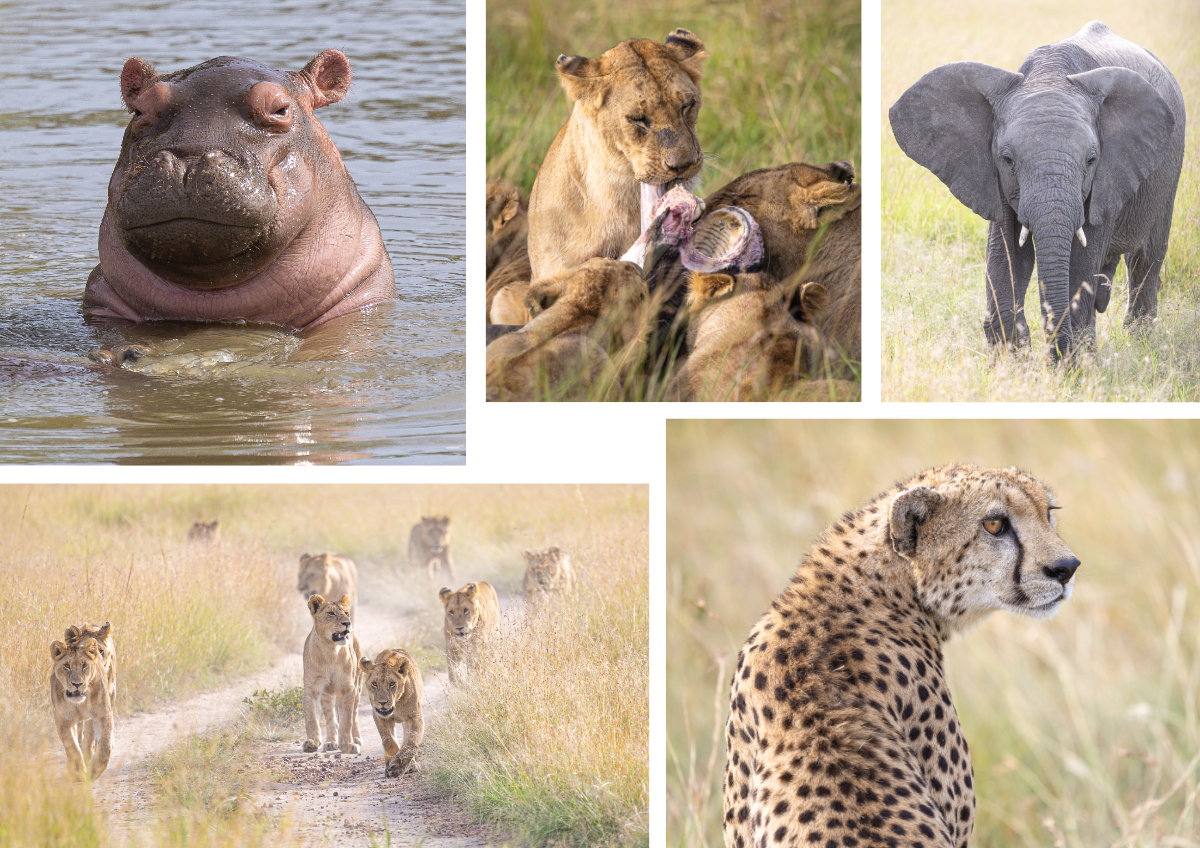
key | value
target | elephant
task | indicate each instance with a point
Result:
(1082, 149)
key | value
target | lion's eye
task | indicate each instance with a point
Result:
(686, 107)
(640, 122)
(995, 526)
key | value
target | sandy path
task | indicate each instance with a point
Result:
(328, 798)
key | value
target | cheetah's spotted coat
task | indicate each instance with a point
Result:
(841, 729)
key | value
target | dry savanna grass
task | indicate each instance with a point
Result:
(188, 616)
(1084, 729)
(550, 740)
(933, 248)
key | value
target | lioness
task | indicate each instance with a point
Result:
(330, 576)
(507, 255)
(83, 709)
(745, 344)
(633, 128)
(589, 331)
(472, 616)
(547, 573)
(395, 691)
(102, 633)
(332, 677)
(205, 531)
(429, 545)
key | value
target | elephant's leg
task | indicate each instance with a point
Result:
(1143, 266)
(1009, 267)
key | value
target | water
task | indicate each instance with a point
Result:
(387, 386)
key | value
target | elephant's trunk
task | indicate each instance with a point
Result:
(1055, 225)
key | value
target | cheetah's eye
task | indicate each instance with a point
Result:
(995, 526)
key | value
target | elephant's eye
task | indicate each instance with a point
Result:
(1008, 160)
(1091, 160)
(995, 526)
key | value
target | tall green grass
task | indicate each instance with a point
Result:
(933, 248)
(782, 82)
(550, 740)
(1084, 729)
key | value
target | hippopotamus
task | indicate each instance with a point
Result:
(230, 202)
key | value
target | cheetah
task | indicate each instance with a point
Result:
(841, 730)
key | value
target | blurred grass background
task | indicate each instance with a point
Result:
(933, 247)
(781, 84)
(1084, 729)
(189, 616)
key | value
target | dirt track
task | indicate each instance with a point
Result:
(327, 798)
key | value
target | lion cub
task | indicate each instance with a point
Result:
(330, 576)
(745, 344)
(508, 269)
(547, 573)
(82, 702)
(590, 329)
(632, 129)
(472, 616)
(429, 545)
(332, 677)
(395, 691)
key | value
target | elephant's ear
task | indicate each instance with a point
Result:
(1135, 124)
(945, 123)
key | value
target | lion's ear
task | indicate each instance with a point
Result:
(470, 589)
(105, 629)
(345, 601)
(57, 649)
(702, 287)
(445, 594)
(544, 294)
(689, 50)
(73, 633)
(582, 79)
(365, 664)
(314, 603)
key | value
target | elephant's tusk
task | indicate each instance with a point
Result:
(1024, 235)
(1079, 235)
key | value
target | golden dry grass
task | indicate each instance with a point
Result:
(933, 247)
(1084, 730)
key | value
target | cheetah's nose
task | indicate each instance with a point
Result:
(1062, 571)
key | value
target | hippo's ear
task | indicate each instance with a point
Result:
(688, 50)
(583, 79)
(328, 76)
(136, 77)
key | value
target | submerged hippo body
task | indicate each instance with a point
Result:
(230, 202)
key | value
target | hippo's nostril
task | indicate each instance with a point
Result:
(1063, 570)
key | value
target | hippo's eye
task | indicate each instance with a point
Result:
(995, 526)
(137, 113)
(281, 112)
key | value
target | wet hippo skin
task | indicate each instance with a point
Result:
(230, 202)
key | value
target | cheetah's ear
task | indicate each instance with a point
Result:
(911, 509)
